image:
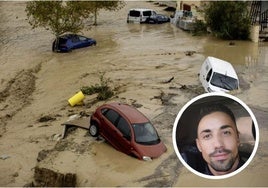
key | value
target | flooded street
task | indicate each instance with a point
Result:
(138, 60)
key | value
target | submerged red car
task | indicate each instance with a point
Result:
(127, 130)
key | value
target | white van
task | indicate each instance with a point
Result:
(218, 75)
(139, 15)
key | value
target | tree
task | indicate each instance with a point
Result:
(65, 16)
(106, 5)
(228, 19)
(57, 16)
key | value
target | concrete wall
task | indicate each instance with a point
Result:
(254, 33)
(195, 5)
(169, 3)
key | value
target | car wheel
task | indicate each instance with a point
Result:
(150, 21)
(94, 130)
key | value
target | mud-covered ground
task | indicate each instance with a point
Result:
(139, 60)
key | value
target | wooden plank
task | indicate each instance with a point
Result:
(80, 123)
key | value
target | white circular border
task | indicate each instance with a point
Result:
(207, 95)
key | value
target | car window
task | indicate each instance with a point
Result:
(81, 38)
(224, 81)
(208, 75)
(134, 13)
(75, 39)
(147, 13)
(104, 111)
(111, 115)
(62, 41)
(124, 128)
(145, 134)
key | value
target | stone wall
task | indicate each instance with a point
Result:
(254, 33)
(44, 177)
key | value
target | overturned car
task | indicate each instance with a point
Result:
(218, 75)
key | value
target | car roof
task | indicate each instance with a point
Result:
(69, 35)
(129, 112)
(141, 9)
(221, 66)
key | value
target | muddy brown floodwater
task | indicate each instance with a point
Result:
(138, 60)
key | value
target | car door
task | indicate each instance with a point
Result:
(117, 131)
(208, 78)
(124, 135)
(83, 41)
(205, 76)
(76, 43)
(109, 128)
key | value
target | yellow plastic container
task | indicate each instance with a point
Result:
(76, 99)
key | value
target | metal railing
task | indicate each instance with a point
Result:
(257, 16)
(264, 20)
(255, 10)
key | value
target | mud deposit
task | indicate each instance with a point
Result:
(152, 67)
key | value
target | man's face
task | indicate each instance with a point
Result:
(217, 139)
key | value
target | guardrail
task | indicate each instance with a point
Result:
(264, 20)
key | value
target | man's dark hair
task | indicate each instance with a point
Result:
(216, 107)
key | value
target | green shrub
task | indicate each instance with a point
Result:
(103, 89)
(200, 28)
(228, 19)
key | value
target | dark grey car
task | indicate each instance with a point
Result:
(157, 19)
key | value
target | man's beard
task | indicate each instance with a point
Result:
(222, 165)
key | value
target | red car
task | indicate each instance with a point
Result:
(127, 130)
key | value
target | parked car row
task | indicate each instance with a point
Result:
(69, 42)
(140, 15)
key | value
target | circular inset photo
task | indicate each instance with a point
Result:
(215, 135)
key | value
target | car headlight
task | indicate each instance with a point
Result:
(146, 158)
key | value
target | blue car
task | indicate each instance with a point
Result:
(157, 19)
(68, 42)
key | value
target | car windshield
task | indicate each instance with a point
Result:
(145, 134)
(224, 81)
